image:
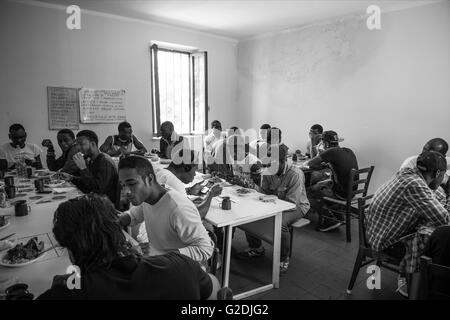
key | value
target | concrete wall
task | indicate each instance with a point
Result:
(37, 50)
(386, 91)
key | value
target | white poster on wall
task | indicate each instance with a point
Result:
(102, 105)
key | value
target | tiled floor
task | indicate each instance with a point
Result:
(320, 269)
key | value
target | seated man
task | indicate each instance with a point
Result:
(436, 144)
(287, 184)
(341, 161)
(221, 160)
(69, 147)
(171, 219)
(261, 141)
(181, 172)
(407, 202)
(214, 136)
(19, 150)
(239, 155)
(123, 144)
(98, 171)
(88, 227)
(169, 139)
(315, 145)
(438, 249)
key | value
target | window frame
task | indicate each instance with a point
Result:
(154, 88)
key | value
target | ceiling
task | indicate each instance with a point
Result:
(238, 20)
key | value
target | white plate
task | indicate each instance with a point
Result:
(251, 193)
(18, 265)
(5, 226)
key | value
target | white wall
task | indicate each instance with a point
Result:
(37, 50)
(387, 92)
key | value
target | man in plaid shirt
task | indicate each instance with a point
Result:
(409, 204)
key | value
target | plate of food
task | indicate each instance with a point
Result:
(23, 254)
(245, 192)
(216, 180)
(41, 173)
(56, 183)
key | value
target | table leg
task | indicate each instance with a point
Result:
(228, 237)
(276, 250)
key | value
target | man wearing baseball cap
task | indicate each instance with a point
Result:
(341, 161)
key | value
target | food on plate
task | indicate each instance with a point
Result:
(243, 191)
(6, 244)
(23, 253)
(215, 180)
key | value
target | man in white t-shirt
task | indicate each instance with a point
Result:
(436, 144)
(18, 149)
(171, 219)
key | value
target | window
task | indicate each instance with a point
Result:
(179, 89)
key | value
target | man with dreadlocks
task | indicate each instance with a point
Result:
(89, 228)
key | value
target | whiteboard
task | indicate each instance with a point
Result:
(62, 108)
(102, 105)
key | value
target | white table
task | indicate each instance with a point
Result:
(39, 222)
(248, 209)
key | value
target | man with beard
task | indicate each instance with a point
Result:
(98, 172)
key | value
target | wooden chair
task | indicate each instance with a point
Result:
(365, 254)
(434, 280)
(348, 206)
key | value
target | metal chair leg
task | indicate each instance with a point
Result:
(359, 260)
(348, 230)
(291, 239)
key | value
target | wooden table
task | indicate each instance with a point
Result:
(39, 222)
(248, 209)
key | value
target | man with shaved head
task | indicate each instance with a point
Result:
(438, 145)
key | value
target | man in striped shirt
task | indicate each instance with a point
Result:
(410, 200)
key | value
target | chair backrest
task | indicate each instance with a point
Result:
(363, 206)
(434, 280)
(357, 179)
